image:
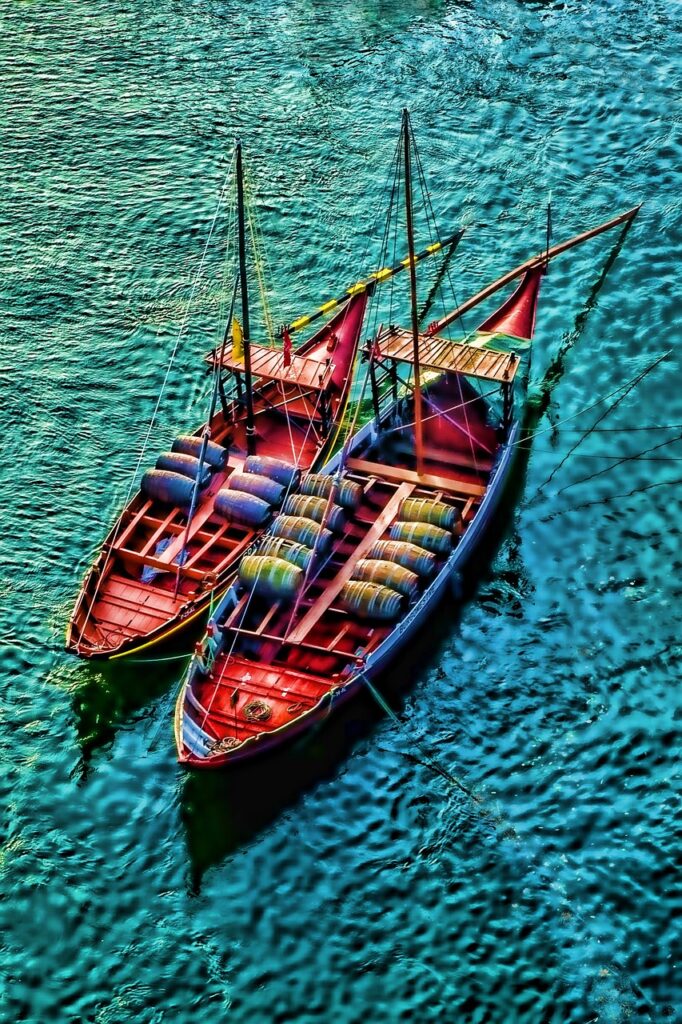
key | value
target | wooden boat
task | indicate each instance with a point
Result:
(404, 506)
(176, 543)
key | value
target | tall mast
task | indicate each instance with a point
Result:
(243, 287)
(413, 295)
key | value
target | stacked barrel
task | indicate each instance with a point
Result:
(174, 478)
(305, 529)
(391, 574)
(252, 496)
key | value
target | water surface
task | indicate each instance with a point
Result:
(347, 881)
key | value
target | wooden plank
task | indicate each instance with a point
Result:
(155, 563)
(334, 587)
(158, 532)
(439, 353)
(397, 474)
(459, 457)
(155, 599)
(199, 519)
(137, 517)
(235, 553)
(304, 645)
(212, 540)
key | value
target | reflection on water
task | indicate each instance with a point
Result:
(351, 881)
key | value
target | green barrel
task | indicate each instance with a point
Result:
(425, 535)
(304, 531)
(425, 510)
(289, 550)
(268, 577)
(388, 574)
(348, 492)
(410, 556)
(371, 601)
(315, 508)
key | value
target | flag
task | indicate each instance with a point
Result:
(237, 341)
(286, 347)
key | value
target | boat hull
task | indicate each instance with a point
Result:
(148, 625)
(444, 583)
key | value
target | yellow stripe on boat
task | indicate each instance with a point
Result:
(381, 275)
(301, 322)
(329, 305)
(180, 625)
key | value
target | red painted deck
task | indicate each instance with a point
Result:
(282, 661)
(116, 611)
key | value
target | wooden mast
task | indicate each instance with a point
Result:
(418, 429)
(243, 287)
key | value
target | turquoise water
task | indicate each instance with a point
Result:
(347, 881)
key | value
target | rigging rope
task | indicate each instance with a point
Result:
(352, 419)
(623, 459)
(625, 391)
(180, 334)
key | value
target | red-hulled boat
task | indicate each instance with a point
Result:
(177, 542)
(365, 551)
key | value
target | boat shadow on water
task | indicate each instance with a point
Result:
(226, 809)
(108, 694)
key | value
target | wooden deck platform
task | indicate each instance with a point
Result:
(438, 353)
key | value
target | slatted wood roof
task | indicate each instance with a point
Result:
(438, 353)
(269, 363)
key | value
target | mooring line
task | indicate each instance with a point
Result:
(624, 393)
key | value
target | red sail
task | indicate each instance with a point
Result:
(516, 316)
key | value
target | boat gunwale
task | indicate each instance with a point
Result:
(431, 595)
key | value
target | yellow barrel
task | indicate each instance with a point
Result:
(304, 531)
(348, 492)
(269, 577)
(289, 550)
(388, 574)
(425, 510)
(315, 508)
(371, 601)
(410, 556)
(425, 535)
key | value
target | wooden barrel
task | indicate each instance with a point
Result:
(304, 531)
(425, 535)
(284, 473)
(262, 486)
(348, 492)
(315, 508)
(242, 508)
(167, 487)
(270, 577)
(388, 574)
(425, 510)
(289, 550)
(371, 601)
(190, 444)
(185, 465)
(410, 556)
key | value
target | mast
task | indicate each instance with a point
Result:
(243, 287)
(419, 452)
